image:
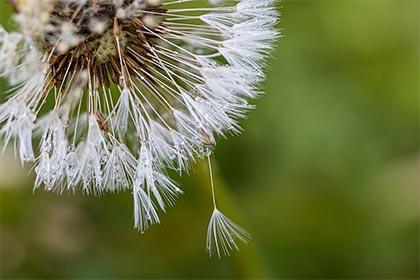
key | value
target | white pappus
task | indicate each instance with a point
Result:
(116, 92)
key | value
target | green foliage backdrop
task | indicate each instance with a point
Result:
(326, 175)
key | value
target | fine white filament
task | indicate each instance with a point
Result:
(223, 235)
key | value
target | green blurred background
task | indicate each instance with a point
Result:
(326, 175)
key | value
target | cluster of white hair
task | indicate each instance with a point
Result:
(118, 91)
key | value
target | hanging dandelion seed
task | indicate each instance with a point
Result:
(116, 92)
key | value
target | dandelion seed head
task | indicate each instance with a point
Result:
(113, 93)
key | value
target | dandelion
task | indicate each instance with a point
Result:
(116, 92)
